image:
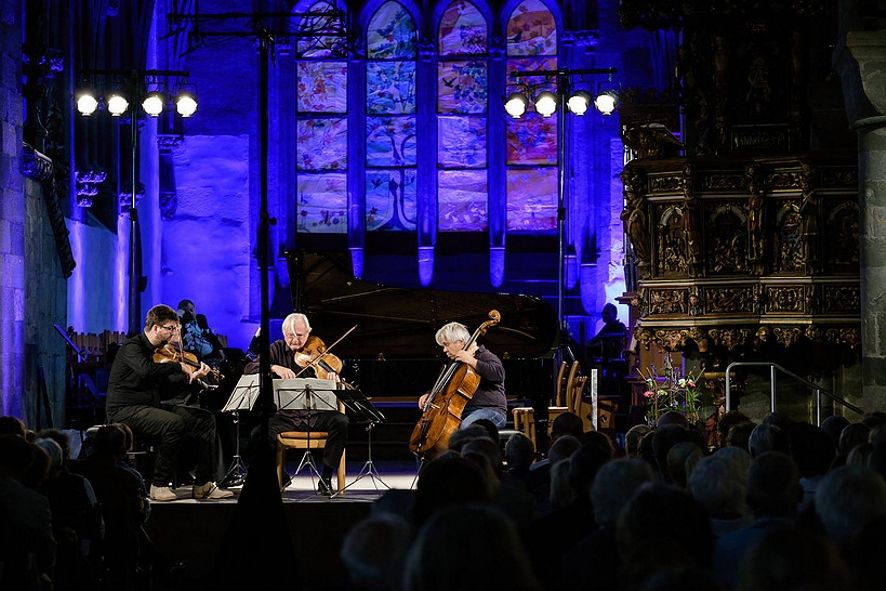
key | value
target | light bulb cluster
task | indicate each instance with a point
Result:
(153, 104)
(546, 103)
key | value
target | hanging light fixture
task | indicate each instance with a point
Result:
(546, 104)
(153, 103)
(87, 104)
(579, 103)
(515, 106)
(117, 105)
(186, 103)
(606, 102)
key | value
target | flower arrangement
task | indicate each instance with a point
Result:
(671, 392)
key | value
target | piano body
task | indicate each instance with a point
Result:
(392, 353)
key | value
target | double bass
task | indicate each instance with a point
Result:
(441, 414)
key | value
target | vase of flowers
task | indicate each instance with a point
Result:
(672, 391)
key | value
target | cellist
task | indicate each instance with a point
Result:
(489, 401)
(288, 356)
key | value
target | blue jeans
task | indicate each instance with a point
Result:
(496, 415)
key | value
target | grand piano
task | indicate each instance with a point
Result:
(392, 351)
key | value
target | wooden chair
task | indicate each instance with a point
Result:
(307, 441)
(524, 416)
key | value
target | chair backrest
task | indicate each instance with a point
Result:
(560, 386)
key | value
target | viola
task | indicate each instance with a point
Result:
(441, 415)
(169, 353)
(323, 362)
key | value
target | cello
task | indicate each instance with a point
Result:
(441, 414)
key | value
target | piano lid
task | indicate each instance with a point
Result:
(400, 322)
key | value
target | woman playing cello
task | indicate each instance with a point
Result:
(488, 401)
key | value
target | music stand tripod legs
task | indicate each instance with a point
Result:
(368, 470)
(236, 474)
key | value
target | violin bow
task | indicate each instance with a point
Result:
(319, 356)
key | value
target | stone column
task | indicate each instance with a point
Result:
(12, 213)
(864, 84)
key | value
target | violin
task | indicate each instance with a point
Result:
(323, 362)
(169, 353)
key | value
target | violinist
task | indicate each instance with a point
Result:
(135, 388)
(288, 357)
(489, 400)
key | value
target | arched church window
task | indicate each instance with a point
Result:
(531, 151)
(321, 120)
(390, 120)
(462, 106)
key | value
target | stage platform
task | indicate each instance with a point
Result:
(190, 533)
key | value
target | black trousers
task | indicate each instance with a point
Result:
(333, 422)
(171, 424)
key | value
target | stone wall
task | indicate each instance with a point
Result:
(12, 213)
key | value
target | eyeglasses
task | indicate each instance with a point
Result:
(172, 328)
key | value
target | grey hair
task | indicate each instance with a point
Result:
(451, 333)
(290, 320)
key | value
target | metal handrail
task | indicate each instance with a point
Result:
(772, 369)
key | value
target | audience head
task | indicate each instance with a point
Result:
(12, 426)
(461, 436)
(730, 418)
(53, 452)
(793, 559)
(615, 484)
(681, 459)
(562, 448)
(720, 485)
(663, 439)
(660, 528)
(765, 437)
(848, 498)
(632, 440)
(860, 455)
(672, 417)
(567, 423)
(852, 435)
(16, 455)
(874, 419)
(586, 462)
(777, 419)
(833, 426)
(812, 449)
(519, 453)
(489, 426)
(739, 435)
(61, 438)
(485, 447)
(447, 480)
(373, 552)
(469, 548)
(773, 485)
(562, 494)
(110, 442)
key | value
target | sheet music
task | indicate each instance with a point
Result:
(305, 394)
(244, 395)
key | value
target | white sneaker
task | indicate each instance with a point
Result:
(211, 491)
(161, 494)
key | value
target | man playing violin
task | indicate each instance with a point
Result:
(135, 389)
(288, 357)
(489, 400)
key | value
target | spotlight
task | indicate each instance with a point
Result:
(86, 104)
(117, 105)
(153, 104)
(515, 106)
(546, 104)
(578, 103)
(606, 102)
(185, 104)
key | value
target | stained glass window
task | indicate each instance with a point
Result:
(462, 105)
(390, 122)
(531, 141)
(321, 77)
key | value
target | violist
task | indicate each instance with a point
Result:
(135, 389)
(489, 400)
(287, 357)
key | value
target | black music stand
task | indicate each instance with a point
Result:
(308, 394)
(243, 397)
(355, 401)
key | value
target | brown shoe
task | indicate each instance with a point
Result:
(161, 494)
(210, 491)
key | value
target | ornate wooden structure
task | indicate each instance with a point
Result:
(746, 258)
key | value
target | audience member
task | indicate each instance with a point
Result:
(793, 559)
(720, 485)
(632, 440)
(681, 460)
(813, 451)
(374, 551)
(848, 498)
